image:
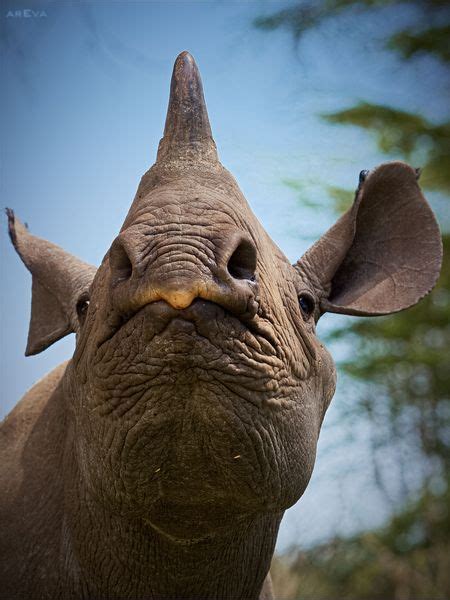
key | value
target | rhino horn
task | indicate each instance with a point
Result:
(187, 132)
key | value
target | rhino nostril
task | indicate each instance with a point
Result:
(242, 263)
(119, 263)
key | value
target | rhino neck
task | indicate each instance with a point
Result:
(124, 557)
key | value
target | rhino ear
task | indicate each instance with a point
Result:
(59, 281)
(384, 254)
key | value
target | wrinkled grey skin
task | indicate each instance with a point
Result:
(158, 463)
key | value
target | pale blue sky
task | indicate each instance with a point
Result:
(84, 97)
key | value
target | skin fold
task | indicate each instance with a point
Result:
(158, 462)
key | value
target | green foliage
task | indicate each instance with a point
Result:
(342, 198)
(408, 559)
(303, 16)
(434, 40)
(294, 19)
(300, 190)
(396, 130)
(425, 38)
(403, 133)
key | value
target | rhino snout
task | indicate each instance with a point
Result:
(181, 271)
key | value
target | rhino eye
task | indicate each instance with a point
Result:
(307, 305)
(82, 308)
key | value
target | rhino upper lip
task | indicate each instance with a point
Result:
(199, 310)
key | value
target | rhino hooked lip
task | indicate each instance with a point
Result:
(204, 316)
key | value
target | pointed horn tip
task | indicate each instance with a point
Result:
(187, 131)
(185, 67)
(185, 56)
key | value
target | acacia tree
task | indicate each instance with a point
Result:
(400, 363)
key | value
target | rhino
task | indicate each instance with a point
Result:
(158, 462)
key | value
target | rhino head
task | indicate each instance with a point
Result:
(198, 385)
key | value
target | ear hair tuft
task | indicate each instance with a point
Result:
(11, 229)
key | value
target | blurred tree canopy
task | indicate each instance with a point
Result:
(404, 133)
(407, 559)
(395, 130)
(401, 363)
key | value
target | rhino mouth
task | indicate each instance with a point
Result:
(205, 315)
